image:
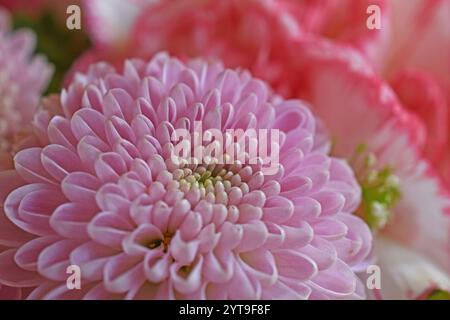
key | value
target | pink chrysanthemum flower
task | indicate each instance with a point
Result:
(404, 200)
(101, 193)
(23, 77)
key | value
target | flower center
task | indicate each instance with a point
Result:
(212, 181)
(184, 271)
(165, 241)
(380, 188)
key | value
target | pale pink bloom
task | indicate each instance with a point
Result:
(349, 22)
(414, 57)
(23, 77)
(411, 51)
(418, 67)
(370, 128)
(101, 192)
(406, 273)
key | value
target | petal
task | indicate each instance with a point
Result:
(111, 197)
(80, 187)
(183, 252)
(261, 265)
(87, 122)
(122, 272)
(27, 255)
(359, 240)
(337, 281)
(91, 257)
(30, 207)
(295, 265)
(187, 283)
(58, 161)
(109, 229)
(54, 259)
(278, 209)
(157, 266)
(330, 229)
(406, 274)
(70, 220)
(218, 268)
(322, 252)
(298, 236)
(331, 202)
(254, 236)
(242, 286)
(28, 165)
(109, 166)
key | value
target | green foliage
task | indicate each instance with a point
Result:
(60, 45)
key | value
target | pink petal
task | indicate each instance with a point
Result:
(54, 259)
(122, 272)
(295, 265)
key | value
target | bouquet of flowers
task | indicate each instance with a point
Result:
(225, 149)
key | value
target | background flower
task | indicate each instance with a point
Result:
(47, 19)
(403, 52)
(242, 33)
(403, 199)
(417, 67)
(23, 78)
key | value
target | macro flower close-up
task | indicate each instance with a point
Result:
(225, 150)
(101, 192)
(393, 134)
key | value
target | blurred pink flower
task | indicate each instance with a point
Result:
(402, 197)
(345, 21)
(23, 78)
(243, 33)
(101, 192)
(418, 67)
(404, 52)
(411, 52)
(365, 119)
